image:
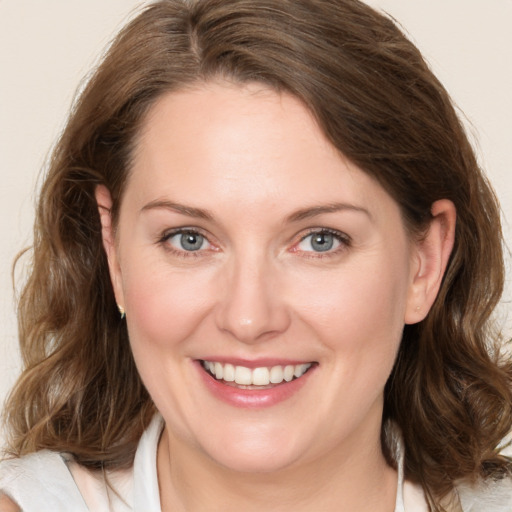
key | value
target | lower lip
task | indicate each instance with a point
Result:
(252, 398)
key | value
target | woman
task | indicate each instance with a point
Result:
(264, 265)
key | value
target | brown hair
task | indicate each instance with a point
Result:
(380, 105)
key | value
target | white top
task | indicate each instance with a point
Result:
(52, 481)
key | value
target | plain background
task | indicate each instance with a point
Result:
(47, 48)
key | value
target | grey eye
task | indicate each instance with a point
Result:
(188, 241)
(321, 241)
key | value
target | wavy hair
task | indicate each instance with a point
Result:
(379, 104)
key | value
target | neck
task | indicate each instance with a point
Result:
(345, 479)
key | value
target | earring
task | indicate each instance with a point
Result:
(121, 311)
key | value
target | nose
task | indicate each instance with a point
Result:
(251, 306)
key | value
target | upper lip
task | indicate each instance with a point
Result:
(256, 363)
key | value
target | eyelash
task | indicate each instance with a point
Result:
(343, 239)
(164, 241)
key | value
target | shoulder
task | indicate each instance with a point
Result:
(488, 496)
(7, 505)
(39, 478)
(48, 480)
(35, 467)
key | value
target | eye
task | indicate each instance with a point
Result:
(187, 240)
(322, 241)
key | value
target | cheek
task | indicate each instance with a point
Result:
(163, 307)
(355, 302)
(359, 319)
(358, 315)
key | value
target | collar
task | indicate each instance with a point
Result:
(146, 494)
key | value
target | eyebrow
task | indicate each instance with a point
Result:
(299, 215)
(190, 211)
(307, 213)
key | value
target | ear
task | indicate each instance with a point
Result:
(430, 258)
(104, 201)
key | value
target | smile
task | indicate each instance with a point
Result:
(262, 376)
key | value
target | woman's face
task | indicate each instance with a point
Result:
(247, 245)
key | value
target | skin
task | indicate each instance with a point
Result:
(7, 505)
(252, 158)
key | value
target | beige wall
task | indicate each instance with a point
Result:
(47, 47)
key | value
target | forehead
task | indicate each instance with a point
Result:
(221, 142)
(244, 118)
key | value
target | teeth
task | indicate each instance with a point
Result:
(243, 375)
(300, 370)
(276, 374)
(229, 373)
(289, 373)
(262, 376)
(219, 371)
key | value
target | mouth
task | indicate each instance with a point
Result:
(264, 377)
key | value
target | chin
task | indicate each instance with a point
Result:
(260, 453)
(250, 461)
